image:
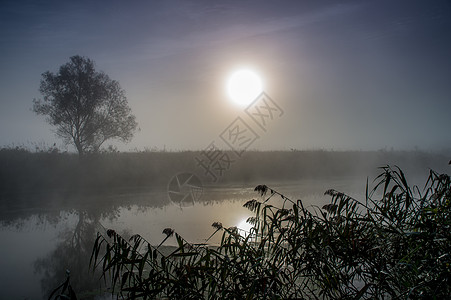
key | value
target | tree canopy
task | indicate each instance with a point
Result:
(86, 106)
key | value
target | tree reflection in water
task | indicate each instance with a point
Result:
(76, 217)
(72, 254)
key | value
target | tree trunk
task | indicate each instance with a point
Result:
(79, 149)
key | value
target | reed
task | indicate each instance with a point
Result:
(394, 244)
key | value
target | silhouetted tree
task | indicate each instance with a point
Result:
(86, 107)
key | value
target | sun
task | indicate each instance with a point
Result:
(244, 86)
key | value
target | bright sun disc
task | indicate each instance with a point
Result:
(244, 86)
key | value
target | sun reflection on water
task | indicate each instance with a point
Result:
(244, 227)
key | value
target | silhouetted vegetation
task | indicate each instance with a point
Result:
(395, 244)
(23, 171)
(85, 106)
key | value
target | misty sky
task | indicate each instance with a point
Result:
(347, 74)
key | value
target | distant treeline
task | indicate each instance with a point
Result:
(25, 171)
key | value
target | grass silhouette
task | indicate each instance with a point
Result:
(395, 244)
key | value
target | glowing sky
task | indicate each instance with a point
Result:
(348, 74)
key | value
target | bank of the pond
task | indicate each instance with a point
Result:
(31, 172)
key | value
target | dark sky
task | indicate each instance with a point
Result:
(347, 74)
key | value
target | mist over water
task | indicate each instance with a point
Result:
(48, 232)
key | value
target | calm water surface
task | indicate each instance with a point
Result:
(39, 244)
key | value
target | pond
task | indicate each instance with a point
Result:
(40, 243)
